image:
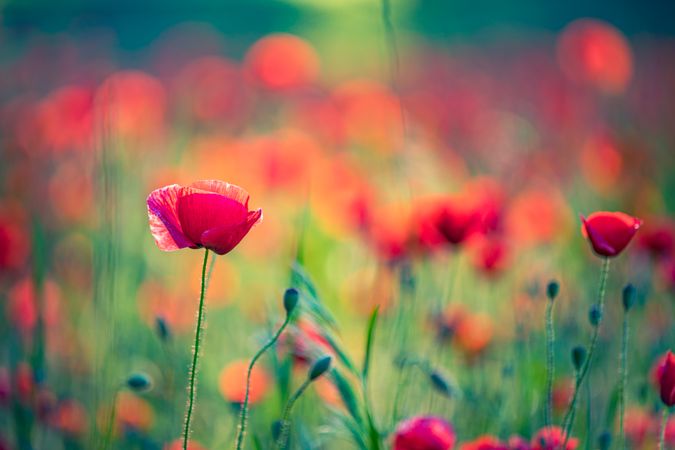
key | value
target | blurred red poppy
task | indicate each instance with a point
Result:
(70, 417)
(609, 232)
(178, 445)
(282, 62)
(232, 382)
(424, 433)
(658, 239)
(552, 438)
(666, 379)
(484, 443)
(208, 213)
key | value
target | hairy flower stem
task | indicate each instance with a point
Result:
(243, 416)
(550, 340)
(662, 433)
(282, 442)
(623, 375)
(568, 421)
(195, 354)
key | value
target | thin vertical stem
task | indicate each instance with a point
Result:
(622, 381)
(195, 354)
(662, 433)
(568, 421)
(550, 368)
(243, 416)
(285, 422)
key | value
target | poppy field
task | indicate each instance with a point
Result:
(348, 229)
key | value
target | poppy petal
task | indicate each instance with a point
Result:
(231, 191)
(164, 223)
(224, 238)
(200, 210)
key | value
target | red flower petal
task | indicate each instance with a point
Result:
(200, 211)
(164, 223)
(667, 380)
(231, 191)
(223, 239)
(609, 232)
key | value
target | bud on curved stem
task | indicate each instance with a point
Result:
(291, 297)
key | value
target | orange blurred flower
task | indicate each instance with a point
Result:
(131, 412)
(65, 119)
(233, 382)
(596, 53)
(474, 333)
(601, 163)
(281, 62)
(178, 445)
(70, 417)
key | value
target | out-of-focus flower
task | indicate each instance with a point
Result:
(665, 373)
(601, 163)
(282, 62)
(552, 438)
(66, 120)
(70, 417)
(22, 305)
(658, 239)
(5, 386)
(307, 342)
(490, 255)
(24, 381)
(176, 308)
(390, 232)
(536, 216)
(233, 382)
(562, 394)
(596, 53)
(669, 434)
(450, 220)
(484, 443)
(208, 213)
(131, 412)
(14, 241)
(474, 333)
(212, 89)
(371, 115)
(132, 105)
(609, 232)
(424, 433)
(178, 445)
(327, 391)
(71, 192)
(518, 443)
(637, 426)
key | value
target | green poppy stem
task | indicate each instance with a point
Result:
(622, 381)
(568, 421)
(285, 422)
(662, 433)
(550, 368)
(243, 417)
(195, 354)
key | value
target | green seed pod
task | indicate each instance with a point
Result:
(594, 315)
(319, 367)
(552, 289)
(291, 297)
(139, 382)
(578, 356)
(629, 295)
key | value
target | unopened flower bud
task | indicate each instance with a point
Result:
(578, 356)
(162, 328)
(439, 383)
(629, 295)
(552, 290)
(139, 382)
(605, 440)
(291, 297)
(319, 367)
(594, 315)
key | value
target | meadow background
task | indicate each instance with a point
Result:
(345, 121)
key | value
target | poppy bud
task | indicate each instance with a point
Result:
(552, 290)
(277, 425)
(139, 382)
(319, 367)
(629, 294)
(291, 297)
(605, 440)
(578, 356)
(609, 232)
(162, 328)
(440, 383)
(594, 315)
(666, 379)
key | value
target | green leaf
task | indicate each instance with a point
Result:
(353, 429)
(347, 394)
(370, 334)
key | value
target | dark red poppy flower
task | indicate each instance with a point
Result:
(666, 379)
(208, 213)
(658, 240)
(484, 443)
(424, 433)
(609, 232)
(456, 223)
(552, 438)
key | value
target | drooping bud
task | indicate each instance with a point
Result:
(594, 315)
(139, 382)
(319, 367)
(277, 425)
(629, 295)
(439, 383)
(578, 356)
(291, 297)
(552, 290)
